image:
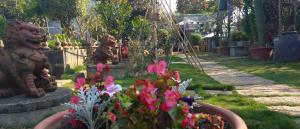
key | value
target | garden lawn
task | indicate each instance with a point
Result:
(283, 73)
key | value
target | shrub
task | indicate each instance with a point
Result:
(239, 36)
(195, 38)
(3, 25)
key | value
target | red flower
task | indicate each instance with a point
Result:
(147, 96)
(124, 113)
(107, 68)
(71, 110)
(75, 99)
(171, 99)
(185, 109)
(185, 122)
(79, 83)
(159, 69)
(177, 75)
(108, 81)
(100, 67)
(112, 116)
(189, 121)
(117, 105)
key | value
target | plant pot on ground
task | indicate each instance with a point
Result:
(232, 120)
(156, 103)
(261, 53)
(223, 51)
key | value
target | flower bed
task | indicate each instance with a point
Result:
(155, 103)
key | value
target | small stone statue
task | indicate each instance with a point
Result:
(58, 46)
(45, 45)
(106, 51)
(125, 49)
(23, 64)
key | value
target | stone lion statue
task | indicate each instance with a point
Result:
(107, 51)
(23, 65)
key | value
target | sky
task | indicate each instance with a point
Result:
(173, 4)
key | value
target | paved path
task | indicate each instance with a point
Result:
(277, 97)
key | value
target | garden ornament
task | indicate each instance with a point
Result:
(106, 51)
(23, 64)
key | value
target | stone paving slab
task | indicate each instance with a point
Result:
(241, 80)
(227, 72)
(268, 90)
(218, 92)
(290, 110)
(275, 101)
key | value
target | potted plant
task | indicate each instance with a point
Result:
(156, 103)
(239, 46)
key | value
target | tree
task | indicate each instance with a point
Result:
(63, 10)
(3, 25)
(189, 6)
(25, 10)
(115, 16)
(196, 6)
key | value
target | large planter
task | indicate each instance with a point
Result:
(234, 121)
(287, 49)
(223, 51)
(261, 53)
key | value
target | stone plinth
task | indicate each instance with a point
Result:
(24, 111)
(117, 71)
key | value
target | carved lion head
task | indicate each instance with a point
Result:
(24, 34)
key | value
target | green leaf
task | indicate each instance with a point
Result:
(173, 113)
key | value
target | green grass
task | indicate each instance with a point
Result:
(256, 115)
(284, 73)
(69, 73)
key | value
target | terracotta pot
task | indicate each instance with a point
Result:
(234, 121)
(223, 51)
(261, 53)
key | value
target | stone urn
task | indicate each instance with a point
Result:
(288, 47)
(261, 53)
(233, 120)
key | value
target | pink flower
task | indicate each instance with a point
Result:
(79, 83)
(112, 116)
(113, 89)
(171, 99)
(185, 122)
(159, 69)
(100, 67)
(177, 76)
(185, 109)
(75, 99)
(189, 121)
(109, 81)
(162, 67)
(147, 96)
